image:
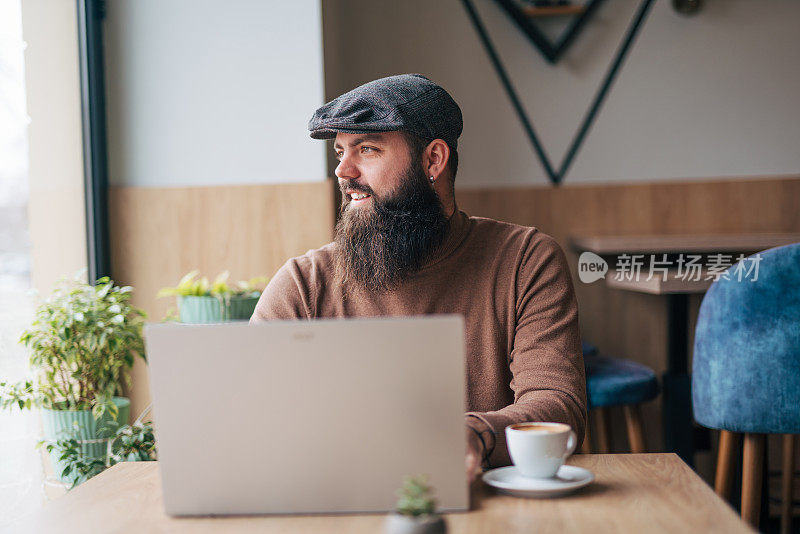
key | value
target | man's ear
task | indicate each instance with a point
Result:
(435, 158)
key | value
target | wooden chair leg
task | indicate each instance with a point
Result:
(601, 426)
(787, 484)
(586, 446)
(728, 443)
(633, 421)
(751, 477)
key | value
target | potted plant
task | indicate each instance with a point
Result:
(196, 302)
(242, 301)
(126, 443)
(84, 340)
(416, 510)
(200, 302)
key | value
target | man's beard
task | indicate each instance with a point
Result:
(380, 245)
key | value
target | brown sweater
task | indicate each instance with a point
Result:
(512, 285)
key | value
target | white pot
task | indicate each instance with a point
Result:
(426, 524)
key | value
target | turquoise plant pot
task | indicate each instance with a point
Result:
(200, 310)
(241, 308)
(61, 424)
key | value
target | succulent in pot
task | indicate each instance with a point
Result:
(202, 302)
(242, 300)
(416, 510)
(197, 302)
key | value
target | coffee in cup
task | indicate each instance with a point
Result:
(537, 427)
(538, 450)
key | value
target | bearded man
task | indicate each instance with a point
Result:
(402, 247)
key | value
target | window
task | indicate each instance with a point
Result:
(20, 464)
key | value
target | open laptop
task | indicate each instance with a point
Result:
(313, 416)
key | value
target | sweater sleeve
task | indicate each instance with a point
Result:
(287, 296)
(546, 360)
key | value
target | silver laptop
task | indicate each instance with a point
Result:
(307, 416)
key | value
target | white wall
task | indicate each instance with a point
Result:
(213, 92)
(714, 95)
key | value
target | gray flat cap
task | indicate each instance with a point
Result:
(409, 102)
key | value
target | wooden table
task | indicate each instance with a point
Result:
(678, 422)
(671, 284)
(631, 493)
(688, 244)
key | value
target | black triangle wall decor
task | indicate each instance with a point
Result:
(556, 176)
(551, 51)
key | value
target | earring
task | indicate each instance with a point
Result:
(432, 179)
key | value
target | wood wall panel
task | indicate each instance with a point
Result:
(627, 324)
(159, 234)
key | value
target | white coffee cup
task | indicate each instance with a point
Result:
(539, 449)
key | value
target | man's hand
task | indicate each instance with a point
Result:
(475, 454)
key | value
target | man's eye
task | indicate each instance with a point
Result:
(339, 154)
(368, 149)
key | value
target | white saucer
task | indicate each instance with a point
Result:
(508, 480)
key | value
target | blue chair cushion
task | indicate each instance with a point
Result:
(746, 364)
(614, 381)
(588, 348)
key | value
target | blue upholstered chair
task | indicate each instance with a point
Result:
(746, 376)
(616, 382)
(588, 349)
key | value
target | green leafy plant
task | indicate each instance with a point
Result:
(253, 286)
(220, 287)
(78, 468)
(84, 340)
(21, 395)
(235, 302)
(133, 443)
(172, 316)
(126, 443)
(191, 286)
(415, 497)
(187, 287)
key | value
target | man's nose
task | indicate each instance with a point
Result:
(346, 170)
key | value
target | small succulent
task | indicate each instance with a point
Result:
(220, 288)
(414, 498)
(187, 287)
(254, 285)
